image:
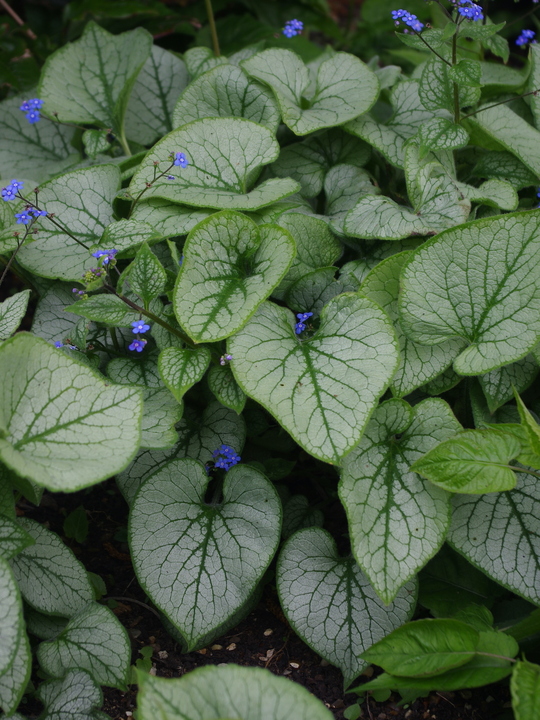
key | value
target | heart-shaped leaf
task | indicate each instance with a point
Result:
(480, 283)
(93, 640)
(442, 134)
(230, 266)
(379, 490)
(68, 437)
(75, 697)
(330, 602)
(498, 385)
(323, 389)
(344, 88)
(225, 158)
(182, 368)
(225, 388)
(199, 561)
(225, 91)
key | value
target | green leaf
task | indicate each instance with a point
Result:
(504, 166)
(525, 688)
(476, 461)
(11, 622)
(442, 134)
(167, 218)
(182, 368)
(466, 72)
(76, 524)
(14, 680)
(81, 201)
(146, 275)
(126, 234)
(160, 414)
(149, 113)
(511, 558)
(200, 60)
(45, 627)
(225, 158)
(478, 282)
(344, 185)
(104, 308)
(74, 697)
(135, 371)
(477, 31)
(297, 515)
(418, 364)
(494, 192)
(343, 89)
(50, 578)
(68, 437)
(225, 388)
(201, 432)
(397, 521)
(35, 151)
(89, 81)
(230, 266)
(425, 647)
(225, 91)
(331, 604)
(498, 384)
(315, 289)
(436, 89)
(93, 640)
(321, 389)
(205, 560)
(532, 429)
(226, 692)
(12, 312)
(13, 538)
(50, 321)
(95, 142)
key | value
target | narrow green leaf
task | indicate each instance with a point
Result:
(146, 275)
(474, 462)
(478, 282)
(89, 80)
(331, 604)
(344, 88)
(14, 680)
(225, 388)
(230, 266)
(202, 550)
(74, 697)
(93, 640)
(182, 368)
(397, 521)
(11, 622)
(225, 158)
(323, 389)
(63, 438)
(12, 311)
(525, 688)
(226, 692)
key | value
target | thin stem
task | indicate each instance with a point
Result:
(20, 242)
(212, 23)
(132, 600)
(148, 186)
(456, 87)
(502, 102)
(54, 222)
(430, 48)
(17, 19)
(523, 470)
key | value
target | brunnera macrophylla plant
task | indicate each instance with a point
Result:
(238, 258)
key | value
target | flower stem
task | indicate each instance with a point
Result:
(455, 85)
(502, 102)
(523, 470)
(212, 23)
(431, 49)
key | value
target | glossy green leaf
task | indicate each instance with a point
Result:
(473, 462)
(13, 538)
(149, 113)
(344, 88)
(75, 697)
(146, 275)
(425, 647)
(225, 91)
(12, 311)
(199, 561)
(525, 688)
(230, 266)
(330, 602)
(14, 680)
(397, 521)
(225, 388)
(67, 436)
(89, 80)
(479, 283)
(215, 693)
(225, 157)
(182, 368)
(11, 622)
(50, 577)
(93, 640)
(323, 389)
(81, 202)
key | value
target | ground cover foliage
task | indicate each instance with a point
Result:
(243, 259)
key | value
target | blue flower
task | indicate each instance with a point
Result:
(33, 104)
(107, 255)
(471, 10)
(23, 218)
(225, 457)
(137, 345)
(33, 116)
(10, 191)
(139, 326)
(408, 18)
(301, 326)
(16, 184)
(181, 261)
(38, 213)
(292, 28)
(527, 36)
(180, 159)
(58, 344)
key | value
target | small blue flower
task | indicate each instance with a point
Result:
(23, 218)
(526, 37)
(58, 344)
(38, 213)
(170, 177)
(16, 184)
(292, 28)
(139, 326)
(181, 261)
(471, 10)
(225, 359)
(107, 255)
(225, 457)
(301, 326)
(137, 345)
(408, 19)
(180, 159)
(33, 104)
(33, 116)
(11, 190)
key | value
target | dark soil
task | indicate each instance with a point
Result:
(263, 639)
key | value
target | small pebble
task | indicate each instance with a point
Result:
(216, 647)
(232, 646)
(202, 652)
(294, 665)
(268, 632)
(153, 670)
(163, 654)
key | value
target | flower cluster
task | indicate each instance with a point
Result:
(107, 255)
(92, 275)
(225, 359)
(137, 345)
(80, 293)
(11, 190)
(25, 217)
(301, 325)
(292, 28)
(408, 19)
(470, 10)
(225, 457)
(526, 37)
(32, 108)
(181, 160)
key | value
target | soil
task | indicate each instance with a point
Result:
(263, 639)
